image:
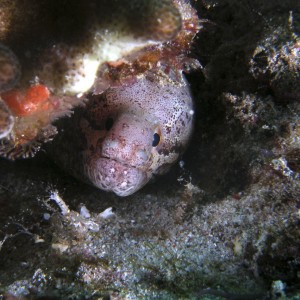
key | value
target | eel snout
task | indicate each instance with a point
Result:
(111, 175)
(120, 164)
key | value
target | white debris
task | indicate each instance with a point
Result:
(60, 202)
(181, 164)
(278, 289)
(46, 216)
(92, 226)
(60, 247)
(281, 165)
(108, 213)
(192, 189)
(84, 212)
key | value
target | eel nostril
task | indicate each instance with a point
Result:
(142, 155)
(111, 144)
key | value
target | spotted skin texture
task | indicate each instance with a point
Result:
(126, 135)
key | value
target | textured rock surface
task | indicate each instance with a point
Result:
(223, 225)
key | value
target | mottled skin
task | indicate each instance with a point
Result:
(129, 133)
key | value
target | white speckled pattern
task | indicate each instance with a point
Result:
(123, 158)
(121, 153)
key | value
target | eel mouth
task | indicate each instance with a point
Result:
(115, 176)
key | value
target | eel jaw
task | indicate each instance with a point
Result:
(111, 175)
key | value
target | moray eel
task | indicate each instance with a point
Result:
(124, 59)
(128, 134)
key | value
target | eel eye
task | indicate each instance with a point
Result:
(156, 139)
(109, 123)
